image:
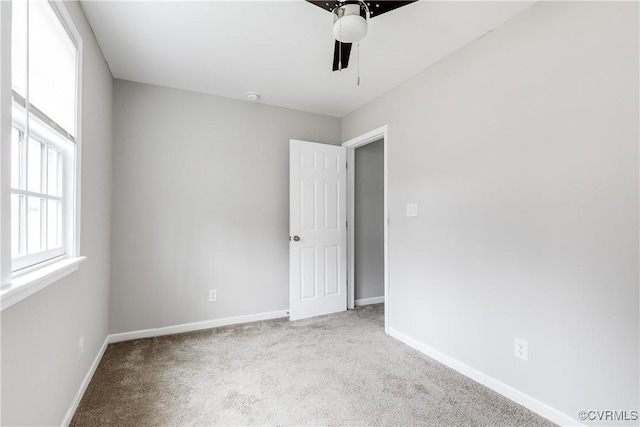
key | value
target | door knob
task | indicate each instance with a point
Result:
(296, 238)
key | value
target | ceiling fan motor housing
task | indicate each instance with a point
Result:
(350, 22)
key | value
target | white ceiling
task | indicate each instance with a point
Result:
(282, 49)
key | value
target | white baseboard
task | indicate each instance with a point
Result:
(156, 332)
(507, 391)
(85, 383)
(196, 326)
(367, 301)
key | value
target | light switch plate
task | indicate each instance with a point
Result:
(412, 209)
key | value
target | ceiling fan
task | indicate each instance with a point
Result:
(350, 19)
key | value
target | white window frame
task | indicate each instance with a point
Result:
(19, 282)
(44, 134)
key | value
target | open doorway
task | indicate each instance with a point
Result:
(368, 199)
(368, 220)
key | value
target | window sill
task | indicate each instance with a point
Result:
(28, 284)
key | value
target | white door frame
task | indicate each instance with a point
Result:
(351, 145)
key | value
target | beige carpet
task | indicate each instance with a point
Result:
(339, 369)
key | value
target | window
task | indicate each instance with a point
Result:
(44, 78)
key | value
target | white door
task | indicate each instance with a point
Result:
(317, 227)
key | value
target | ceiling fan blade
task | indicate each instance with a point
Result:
(379, 7)
(375, 7)
(346, 51)
(326, 5)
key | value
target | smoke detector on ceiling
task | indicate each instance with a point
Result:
(253, 96)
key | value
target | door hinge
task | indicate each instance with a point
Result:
(346, 165)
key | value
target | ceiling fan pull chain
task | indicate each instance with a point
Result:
(340, 51)
(358, 62)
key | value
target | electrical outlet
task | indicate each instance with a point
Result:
(213, 295)
(521, 348)
(80, 348)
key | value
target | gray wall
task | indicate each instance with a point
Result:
(41, 373)
(521, 150)
(522, 153)
(369, 220)
(201, 202)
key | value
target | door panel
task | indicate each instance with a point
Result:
(308, 282)
(318, 261)
(331, 270)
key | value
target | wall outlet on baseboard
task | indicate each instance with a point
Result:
(521, 348)
(213, 295)
(80, 348)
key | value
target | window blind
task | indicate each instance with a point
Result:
(49, 54)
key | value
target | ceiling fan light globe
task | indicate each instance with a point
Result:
(350, 28)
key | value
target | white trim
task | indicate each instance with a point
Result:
(50, 138)
(505, 390)
(369, 301)
(30, 283)
(85, 383)
(196, 326)
(73, 235)
(5, 143)
(369, 137)
(72, 208)
(156, 332)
